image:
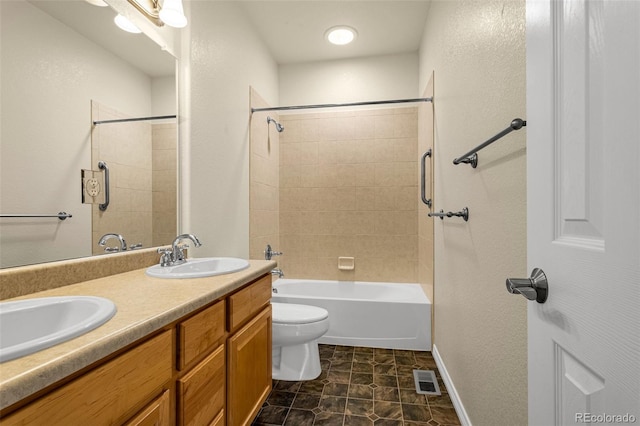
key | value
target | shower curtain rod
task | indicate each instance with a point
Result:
(394, 101)
(125, 120)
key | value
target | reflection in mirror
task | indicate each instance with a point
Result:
(63, 63)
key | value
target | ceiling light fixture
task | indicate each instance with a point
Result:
(124, 24)
(341, 35)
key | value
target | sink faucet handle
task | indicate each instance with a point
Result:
(165, 258)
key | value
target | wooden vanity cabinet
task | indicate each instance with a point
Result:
(231, 383)
(212, 367)
(201, 390)
(249, 351)
(108, 394)
(249, 369)
(157, 413)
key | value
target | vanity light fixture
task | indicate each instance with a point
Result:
(99, 3)
(170, 12)
(340, 35)
(124, 24)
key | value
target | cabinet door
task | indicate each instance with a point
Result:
(158, 413)
(104, 395)
(249, 369)
(201, 391)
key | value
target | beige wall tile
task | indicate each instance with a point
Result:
(347, 187)
(131, 153)
(299, 153)
(164, 159)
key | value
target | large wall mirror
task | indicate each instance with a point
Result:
(64, 65)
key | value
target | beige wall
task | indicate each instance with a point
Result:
(264, 186)
(349, 80)
(348, 182)
(49, 74)
(221, 57)
(477, 50)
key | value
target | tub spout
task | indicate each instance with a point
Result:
(277, 272)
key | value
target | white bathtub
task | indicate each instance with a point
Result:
(377, 315)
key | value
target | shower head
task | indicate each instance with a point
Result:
(279, 127)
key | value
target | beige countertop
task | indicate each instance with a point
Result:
(144, 305)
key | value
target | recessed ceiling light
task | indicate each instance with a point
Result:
(341, 35)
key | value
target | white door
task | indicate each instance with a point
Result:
(583, 157)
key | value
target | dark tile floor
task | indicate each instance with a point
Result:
(360, 386)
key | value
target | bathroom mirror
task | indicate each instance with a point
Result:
(60, 60)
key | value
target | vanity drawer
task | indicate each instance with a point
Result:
(201, 392)
(103, 395)
(158, 413)
(200, 333)
(249, 301)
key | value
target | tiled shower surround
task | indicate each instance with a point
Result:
(142, 163)
(360, 386)
(348, 187)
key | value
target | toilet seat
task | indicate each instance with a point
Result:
(290, 313)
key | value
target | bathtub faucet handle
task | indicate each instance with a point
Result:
(269, 253)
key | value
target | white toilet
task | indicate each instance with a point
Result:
(296, 330)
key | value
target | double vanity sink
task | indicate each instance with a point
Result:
(199, 268)
(31, 325)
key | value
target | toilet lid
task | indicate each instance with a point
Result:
(290, 313)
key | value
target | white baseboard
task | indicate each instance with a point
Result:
(453, 394)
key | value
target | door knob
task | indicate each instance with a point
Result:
(535, 287)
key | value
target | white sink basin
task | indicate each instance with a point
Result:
(199, 267)
(28, 326)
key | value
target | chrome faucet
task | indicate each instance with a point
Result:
(175, 255)
(107, 237)
(277, 272)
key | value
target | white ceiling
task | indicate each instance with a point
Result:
(294, 30)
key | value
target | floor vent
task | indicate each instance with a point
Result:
(426, 382)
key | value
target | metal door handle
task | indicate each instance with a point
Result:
(534, 288)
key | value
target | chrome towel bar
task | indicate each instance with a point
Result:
(61, 215)
(471, 157)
